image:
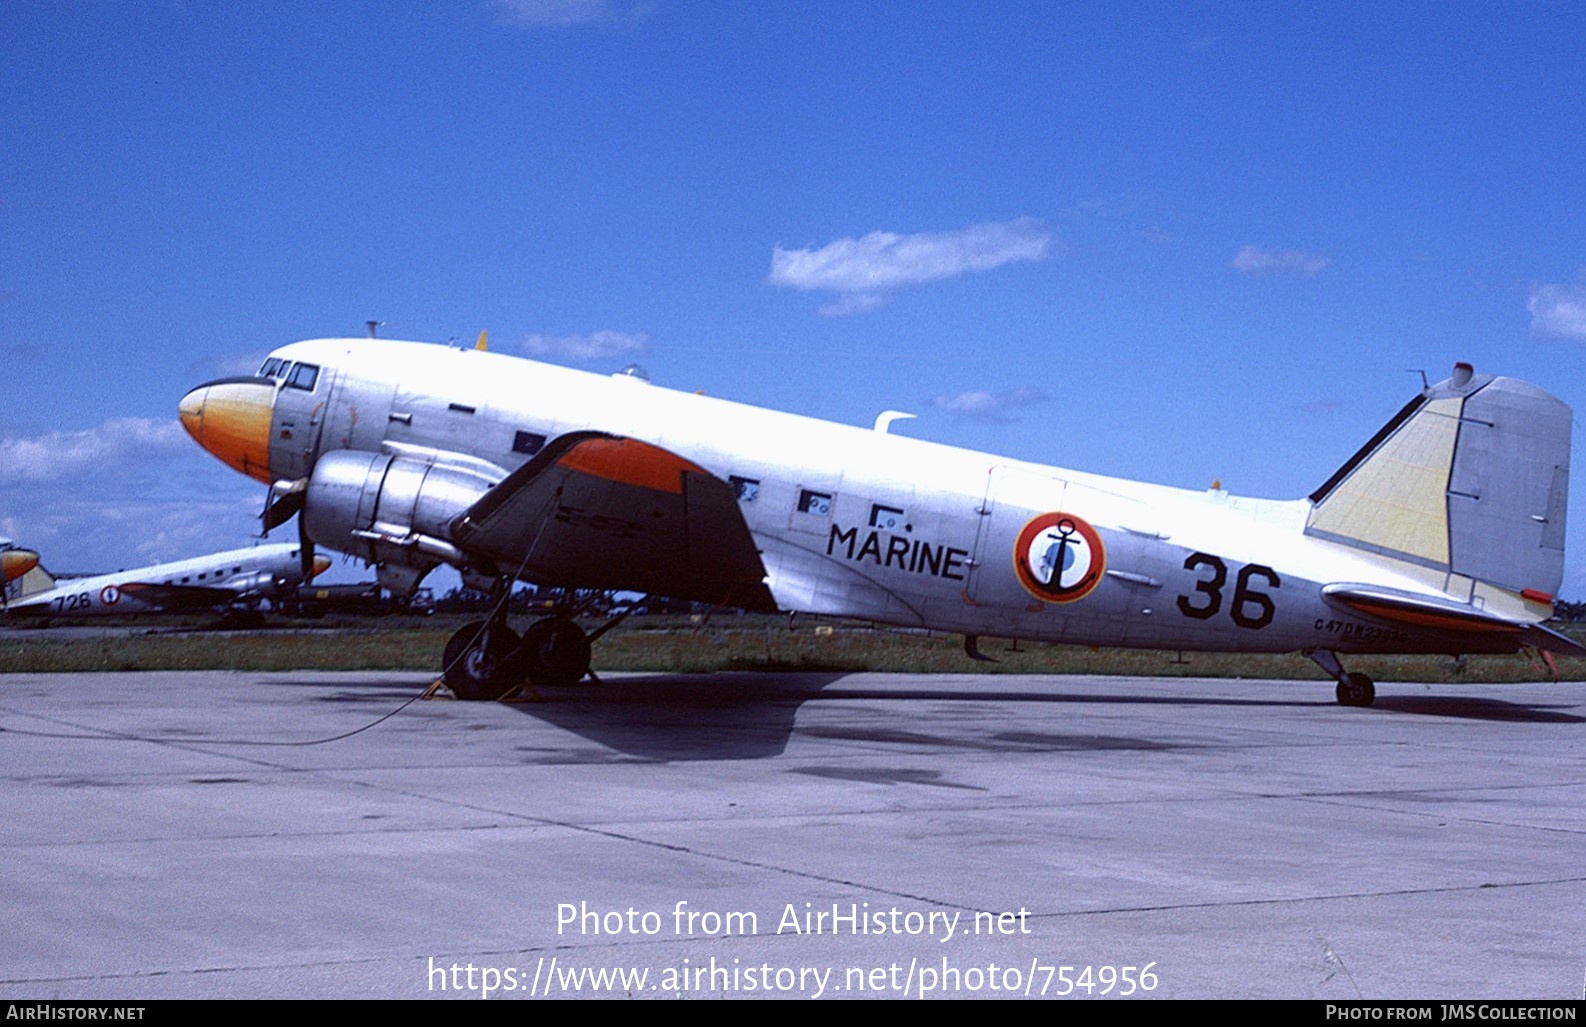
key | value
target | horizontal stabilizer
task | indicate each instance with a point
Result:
(1429, 613)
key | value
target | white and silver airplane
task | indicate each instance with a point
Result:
(219, 580)
(1443, 534)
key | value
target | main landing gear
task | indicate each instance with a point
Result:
(1353, 689)
(480, 660)
(554, 652)
(487, 660)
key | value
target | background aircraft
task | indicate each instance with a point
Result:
(1444, 533)
(237, 576)
(14, 563)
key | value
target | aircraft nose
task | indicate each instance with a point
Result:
(321, 565)
(231, 418)
(16, 562)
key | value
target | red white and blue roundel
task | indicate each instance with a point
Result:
(1059, 558)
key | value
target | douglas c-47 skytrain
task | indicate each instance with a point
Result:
(1443, 534)
(214, 581)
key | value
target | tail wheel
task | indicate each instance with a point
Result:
(1356, 690)
(478, 663)
(555, 652)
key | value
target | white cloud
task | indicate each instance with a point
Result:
(1558, 312)
(1255, 260)
(61, 454)
(852, 303)
(128, 492)
(602, 345)
(173, 529)
(561, 14)
(984, 405)
(119, 529)
(863, 271)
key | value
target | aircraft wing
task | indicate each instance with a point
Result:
(596, 510)
(1428, 613)
(179, 597)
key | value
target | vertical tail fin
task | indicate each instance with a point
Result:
(1471, 478)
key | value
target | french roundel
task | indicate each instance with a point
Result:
(1059, 558)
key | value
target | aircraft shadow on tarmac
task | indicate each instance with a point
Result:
(1477, 708)
(685, 716)
(751, 715)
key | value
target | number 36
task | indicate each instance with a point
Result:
(1251, 609)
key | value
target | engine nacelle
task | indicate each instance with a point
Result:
(389, 509)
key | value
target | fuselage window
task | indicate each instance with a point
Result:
(817, 503)
(528, 442)
(745, 489)
(887, 518)
(304, 376)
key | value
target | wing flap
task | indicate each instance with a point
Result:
(594, 510)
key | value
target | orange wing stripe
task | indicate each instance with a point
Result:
(630, 462)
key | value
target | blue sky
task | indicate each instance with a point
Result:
(1178, 242)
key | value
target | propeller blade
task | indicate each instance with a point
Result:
(284, 501)
(305, 546)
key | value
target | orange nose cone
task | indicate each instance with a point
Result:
(321, 565)
(231, 419)
(16, 562)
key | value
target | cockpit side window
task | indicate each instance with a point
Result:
(303, 377)
(272, 368)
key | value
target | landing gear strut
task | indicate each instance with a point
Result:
(1353, 689)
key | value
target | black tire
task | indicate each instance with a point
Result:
(478, 665)
(1356, 690)
(555, 653)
